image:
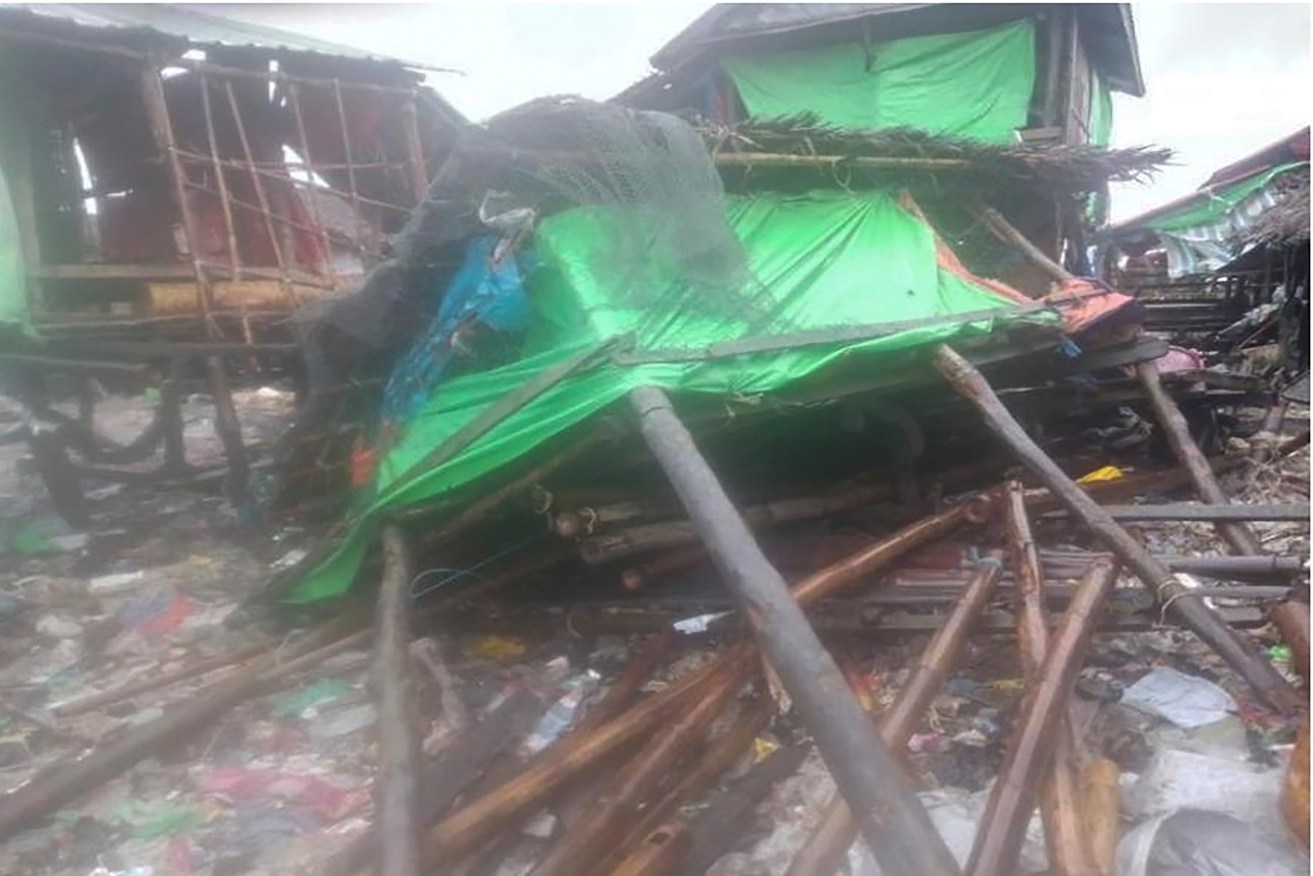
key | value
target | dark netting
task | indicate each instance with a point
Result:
(651, 169)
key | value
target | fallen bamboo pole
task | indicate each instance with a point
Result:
(1060, 803)
(155, 680)
(1240, 537)
(1222, 515)
(826, 848)
(678, 533)
(659, 853)
(396, 788)
(732, 811)
(722, 754)
(616, 809)
(442, 780)
(889, 815)
(1238, 652)
(484, 817)
(1002, 830)
(64, 782)
(1100, 804)
(1291, 619)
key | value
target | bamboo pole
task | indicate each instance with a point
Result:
(65, 781)
(396, 788)
(260, 195)
(1060, 804)
(719, 756)
(827, 846)
(889, 815)
(352, 190)
(234, 260)
(659, 853)
(229, 430)
(1236, 534)
(1236, 650)
(618, 806)
(484, 817)
(294, 100)
(157, 110)
(419, 175)
(1100, 804)
(1002, 828)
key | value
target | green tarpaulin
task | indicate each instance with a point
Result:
(824, 260)
(1216, 205)
(976, 84)
(13, 278)
(1100, 110)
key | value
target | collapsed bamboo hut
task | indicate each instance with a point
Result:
(171, 173)
(1237, 246)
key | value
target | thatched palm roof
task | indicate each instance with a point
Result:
(764, 148)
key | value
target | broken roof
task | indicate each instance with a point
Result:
(1288, 150)
(1108, 27)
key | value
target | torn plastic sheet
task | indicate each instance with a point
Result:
(1193, 842)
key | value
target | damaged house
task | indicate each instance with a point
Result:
(782, 361)
(167, 168)
(1237, 246)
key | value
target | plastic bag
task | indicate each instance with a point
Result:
(1192, 842)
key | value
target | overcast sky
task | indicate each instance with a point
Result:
(1223, 79)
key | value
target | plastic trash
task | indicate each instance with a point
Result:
(1294, 788)
(1192, 842)
(297, 702)
(1185, 700)
(557, 719)
(107, 585)
(344, 722)
(1175, 780)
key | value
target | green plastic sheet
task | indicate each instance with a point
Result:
(1100, 110)
(13, 278)
(822, 260)
(1219, 203)
(976, 84)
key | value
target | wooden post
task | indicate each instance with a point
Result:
(1100, 804)
(261, 195)
(1193, 613)
(484, 817)
(294, 100)
(1060, 801)
(419, 175)
(618, 807)
(229, 430)
(828, 844)
(1002, 829)
(157, 111)
(234, 258)
(396, 788)
(868, 775)
(175, 448)
(1239, 536)
(352, 190)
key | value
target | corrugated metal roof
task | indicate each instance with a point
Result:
(141, 22)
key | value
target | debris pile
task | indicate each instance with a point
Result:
(678, 531)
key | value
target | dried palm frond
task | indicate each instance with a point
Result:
(903, 156)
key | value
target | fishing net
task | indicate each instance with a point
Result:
(652, 172)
